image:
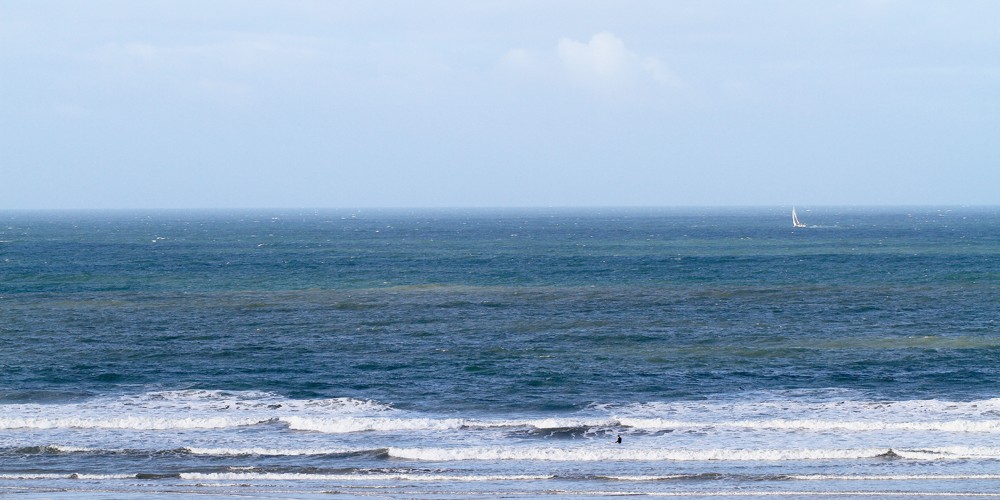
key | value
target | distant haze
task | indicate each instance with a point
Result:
(230, 104)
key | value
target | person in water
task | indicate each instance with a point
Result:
(619, 440)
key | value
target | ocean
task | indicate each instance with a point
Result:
(468, 353)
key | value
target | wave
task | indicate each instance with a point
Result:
(538, 428)
(703, 476)
(458, 478)
(895, 477)
(205, 401)
(205, 409)
(542, 427)
(216, 400)
(295, 476)
(339, 425)
(41, 450)
(276, 452)
(572, 432)
(807, 477)
(52, 475)
(55, 449)
(649, 424)
(129, 422)
(346, 425)
(682, 455)
(281, 476)
(551, 453)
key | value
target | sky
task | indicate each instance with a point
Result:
(119, 104)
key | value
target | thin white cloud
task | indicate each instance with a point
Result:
(258, 52)
(520, 61)
(602, 64)
(226, 72)
(603, 58)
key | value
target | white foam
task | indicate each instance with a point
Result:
(354, 424)
(213, 400)
(269, 451)
(564, 423)
(896, 477)
(246, 476)
(821, 406)
(128, 422)
(649, 478)
(824, 425)
(341, 425)
(69, 449)
(627, 454)
(675, 454)
(183, 410)
(50, 476)
(205, 409)
(951, 453)
(818, 425)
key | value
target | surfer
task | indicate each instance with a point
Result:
(619, 440)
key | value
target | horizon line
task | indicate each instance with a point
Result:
(496, 208)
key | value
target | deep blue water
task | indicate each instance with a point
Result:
(487, 315)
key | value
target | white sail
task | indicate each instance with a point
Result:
(795, 220)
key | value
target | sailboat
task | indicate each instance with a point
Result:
(795, 220)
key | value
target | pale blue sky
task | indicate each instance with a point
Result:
(228, 104)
